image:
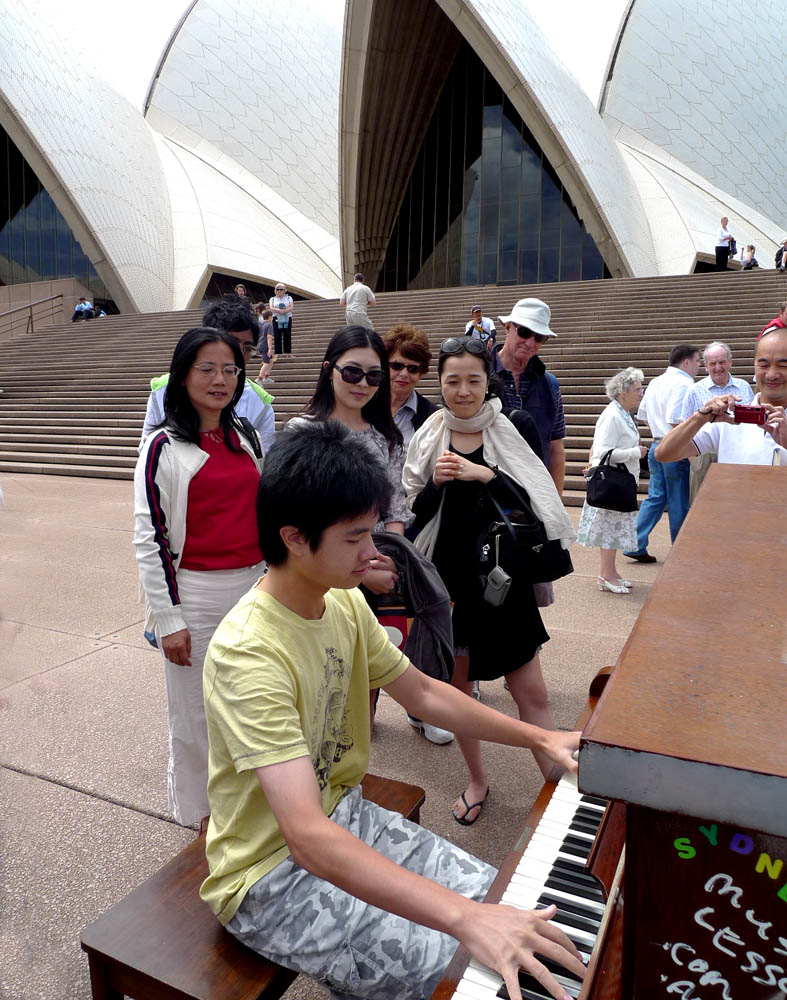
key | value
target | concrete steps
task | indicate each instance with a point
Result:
(74, 396)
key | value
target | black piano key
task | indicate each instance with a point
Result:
(576, 850)
(575, 888)
(531, 989)
(557, 969)
(589, 815)
(594, 800)
(570, 919)
(575, 906)
(581, 826)
(575, 841)
(576, 868)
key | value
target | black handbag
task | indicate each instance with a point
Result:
(612, 487)
(518, 543)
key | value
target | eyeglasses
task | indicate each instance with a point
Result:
(399, 366)
(525, 334)
(279, 288)
(353, 374)
(458, 345)
(209, 370)
(248, 349)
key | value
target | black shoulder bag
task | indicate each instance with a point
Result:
(518, 543)
(611, 487)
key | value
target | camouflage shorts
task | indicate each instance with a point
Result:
(354, 949)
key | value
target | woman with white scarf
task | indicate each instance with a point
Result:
(462, 454)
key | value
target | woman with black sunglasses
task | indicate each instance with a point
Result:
(466, 458)
(354, 387)
(408, 360)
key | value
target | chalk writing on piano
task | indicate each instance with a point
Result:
(726, 934)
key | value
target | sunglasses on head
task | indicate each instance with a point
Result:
(525, 334)
(399, 366)
(354, 374)
(460, 345)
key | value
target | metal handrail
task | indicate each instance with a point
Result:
(30, 325)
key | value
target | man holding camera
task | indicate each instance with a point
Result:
(740, 434)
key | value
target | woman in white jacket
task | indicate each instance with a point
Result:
(610, 530)
(195, 536)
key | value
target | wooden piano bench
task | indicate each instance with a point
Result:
(162, 942)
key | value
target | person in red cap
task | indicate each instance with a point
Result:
(778, 322)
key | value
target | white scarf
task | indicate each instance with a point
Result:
(504, 447)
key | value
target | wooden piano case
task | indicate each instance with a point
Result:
(690, 734)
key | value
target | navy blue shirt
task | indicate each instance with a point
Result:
(537, 391)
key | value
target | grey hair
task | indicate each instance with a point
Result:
(622, 381)
(711, 345)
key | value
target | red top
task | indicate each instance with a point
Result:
(221, 519)
(775, 324)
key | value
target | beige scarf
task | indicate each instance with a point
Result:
(503, 447)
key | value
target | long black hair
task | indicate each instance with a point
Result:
(377, 411)
(179, 413)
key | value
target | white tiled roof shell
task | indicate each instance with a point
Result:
(219, 225)
(520, 58)
(93, 152)
(702, 81)
(255, 87)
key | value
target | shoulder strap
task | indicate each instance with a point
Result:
(251, 434)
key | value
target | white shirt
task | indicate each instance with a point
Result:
(706, 388)
(471, 330)
(357, 296)
(405, 415)
(740, 444)
(663, 397)
(720, 238)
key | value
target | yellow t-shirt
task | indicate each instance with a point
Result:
(276, 687)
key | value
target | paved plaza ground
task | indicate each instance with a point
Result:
(83, 724)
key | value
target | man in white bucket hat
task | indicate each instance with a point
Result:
(526, 383)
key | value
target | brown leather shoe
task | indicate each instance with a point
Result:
(644, 558)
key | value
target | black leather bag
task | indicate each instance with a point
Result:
(612, 487)
(518, 543)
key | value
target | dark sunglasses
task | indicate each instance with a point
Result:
(460, 345)
(353, 374)
(525, 334)
(399, 366)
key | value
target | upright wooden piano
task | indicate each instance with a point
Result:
(669, 861)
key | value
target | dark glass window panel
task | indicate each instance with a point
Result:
(528, 267)
(550, 222)
(529, 223)
(482, 203)
(488, 268)
(549, 269)
(509, 226)
(570, 262)
(64, 263)
(490, 219)
(592, 261)
(33, 231)
(507, 272)
(48, 235)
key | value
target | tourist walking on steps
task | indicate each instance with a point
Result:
(281, 306)
(668, 488)
(610, 530)
(464, 458)
(356, 299)
(195, 536)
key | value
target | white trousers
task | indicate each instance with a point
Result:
(205, 598)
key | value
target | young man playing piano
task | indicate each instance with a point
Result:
(302, 868)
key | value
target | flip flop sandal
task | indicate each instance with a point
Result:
(468, 809)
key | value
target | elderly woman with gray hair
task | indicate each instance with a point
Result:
(610, 530)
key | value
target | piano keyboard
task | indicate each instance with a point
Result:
(552, 870)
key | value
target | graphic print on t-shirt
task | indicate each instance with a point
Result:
(329, 718)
